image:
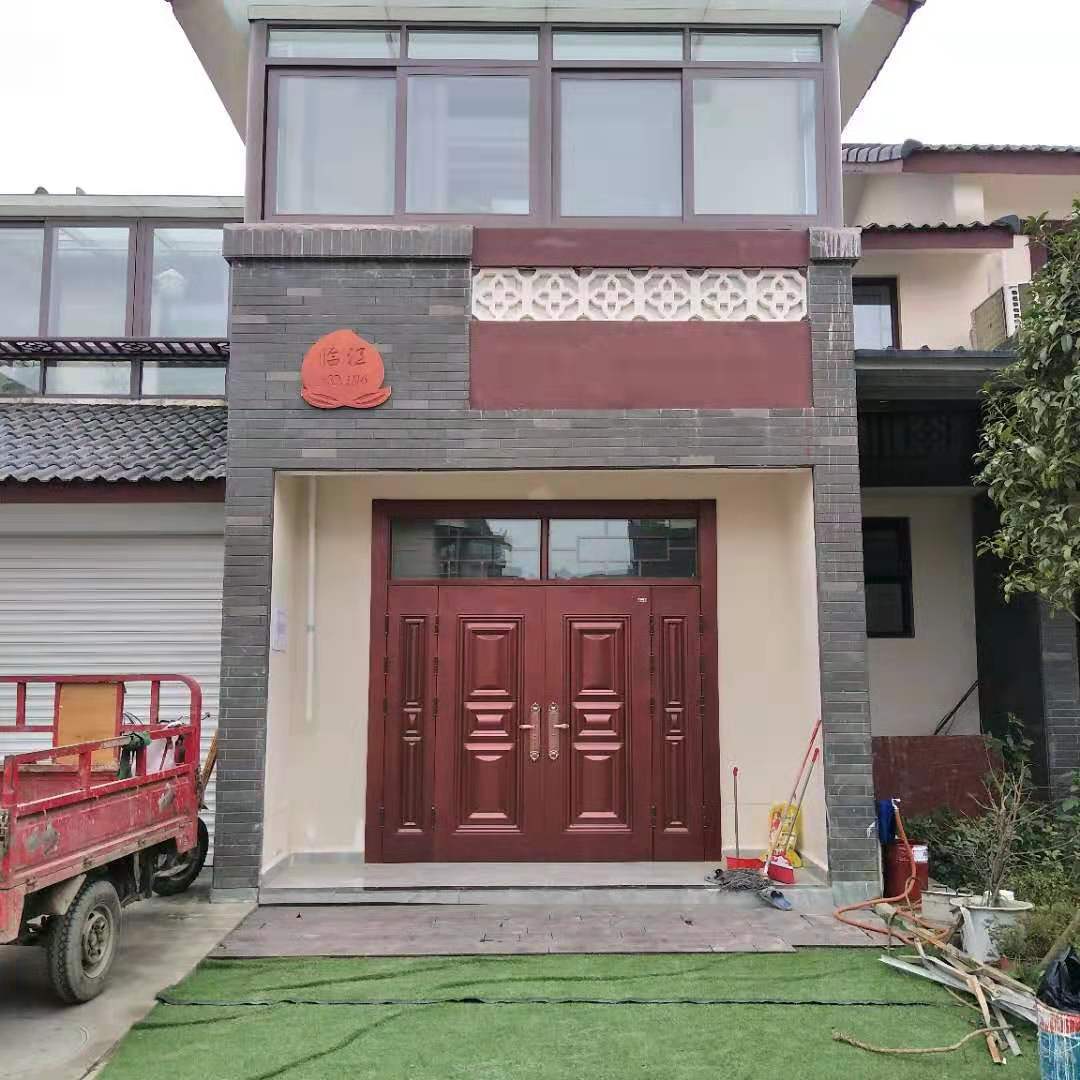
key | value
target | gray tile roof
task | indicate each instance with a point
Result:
(878, 153)
(1009, 221)
(111, 442)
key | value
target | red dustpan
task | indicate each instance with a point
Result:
(736, 862)
(778, 868)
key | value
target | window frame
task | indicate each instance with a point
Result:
(139, 266)
(52, 226)
(265, 72)
(387, 511)
(902, 530)
(136, 306)
(46, 262)
(143, 293)
(893, 286)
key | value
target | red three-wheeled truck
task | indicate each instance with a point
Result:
(106, 814)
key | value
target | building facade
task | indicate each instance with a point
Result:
(113, 347)
(586, 399)
(603, 534)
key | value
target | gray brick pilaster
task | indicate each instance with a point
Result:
(845, 698)
(1061, 697)
(244, 671)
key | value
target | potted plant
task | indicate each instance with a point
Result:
(993, 842)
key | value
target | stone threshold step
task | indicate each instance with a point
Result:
(810, 898)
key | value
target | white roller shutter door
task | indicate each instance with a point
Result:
(91, 604)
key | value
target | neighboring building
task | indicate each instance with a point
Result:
(938, 292)
(113, 345)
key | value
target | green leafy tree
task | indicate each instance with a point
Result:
(1029, 453)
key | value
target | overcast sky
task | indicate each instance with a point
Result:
(107, 94)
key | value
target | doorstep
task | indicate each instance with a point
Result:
(311, 878)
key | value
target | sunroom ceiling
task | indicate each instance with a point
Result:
(868, 29)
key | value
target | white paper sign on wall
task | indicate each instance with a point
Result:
(279, 630)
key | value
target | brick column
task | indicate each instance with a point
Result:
(845, 700)
(1061, 698)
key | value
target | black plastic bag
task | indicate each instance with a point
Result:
(1060, 987)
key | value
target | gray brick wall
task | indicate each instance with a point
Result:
(406, 290)
(1061, 698)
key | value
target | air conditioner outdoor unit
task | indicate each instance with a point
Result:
(996, 320)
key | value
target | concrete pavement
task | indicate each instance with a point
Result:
(162, 940)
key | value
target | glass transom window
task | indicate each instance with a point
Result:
(552, 548)
(623, 547)
(546, 124)
(472, 547)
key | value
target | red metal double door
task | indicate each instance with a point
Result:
(560, 723)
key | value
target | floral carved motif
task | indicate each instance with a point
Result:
(564, 294)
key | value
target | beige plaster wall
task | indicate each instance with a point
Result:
(900, 198)
(938, 290)
(286, 665)
(767, 615)
(915, 681)
(1029, 195)
(896, 198)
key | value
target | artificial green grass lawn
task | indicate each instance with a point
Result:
(451, 1040)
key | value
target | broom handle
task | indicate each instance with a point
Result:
(795, 786)
(735, 796)
(798, 808)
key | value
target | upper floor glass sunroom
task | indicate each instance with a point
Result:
(544, 125)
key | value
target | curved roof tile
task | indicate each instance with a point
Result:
(112, 442)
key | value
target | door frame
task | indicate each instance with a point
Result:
(383, 510)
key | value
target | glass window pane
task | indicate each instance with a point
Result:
(873, 317)
(21, 252)
(350, 44)
(468, 145)
(183, 380)
(473, 45)
(616, 45)
(335, 145)
(885, 609)
(761, 48)
(622, 547)
(620, 148)
(89, 294)
(465, 548)
(88, 377)
(755, 149)
(190, 288)
(884, 550)
(20, 376)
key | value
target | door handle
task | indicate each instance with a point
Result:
(554, 727)
(534, 732)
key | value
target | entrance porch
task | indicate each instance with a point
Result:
(386, 742)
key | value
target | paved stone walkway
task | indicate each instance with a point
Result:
(451, 929)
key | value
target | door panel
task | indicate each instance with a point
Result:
(409, 734)
(597, 775)
(677, 754)
(487, 786)
(538, 722)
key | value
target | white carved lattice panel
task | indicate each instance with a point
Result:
(564, 294)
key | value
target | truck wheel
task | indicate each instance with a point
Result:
(186, 868)
(82, 942)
